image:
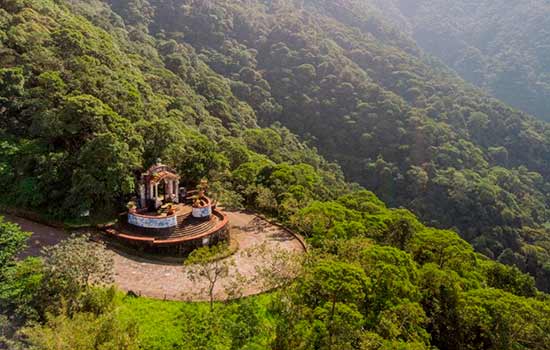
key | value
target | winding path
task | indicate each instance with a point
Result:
(42, 235)
(257, 239)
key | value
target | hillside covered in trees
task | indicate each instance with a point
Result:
(397, 122)
(501, 46)
(92, 92)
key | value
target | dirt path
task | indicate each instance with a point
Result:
(169, 281)
(43, 235)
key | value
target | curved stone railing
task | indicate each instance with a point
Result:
(204, 211)
(155, 222)
(220, 227)
(298, 237)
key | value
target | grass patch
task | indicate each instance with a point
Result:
(159, 322)
(183, 325)
(226, 249)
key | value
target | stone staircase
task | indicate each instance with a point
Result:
(189, 226)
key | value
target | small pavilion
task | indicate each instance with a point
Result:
(167, 219)
(158, 185)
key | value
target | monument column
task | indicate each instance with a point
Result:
(177, 192)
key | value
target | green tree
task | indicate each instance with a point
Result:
(205, 265)
(71, 269)
(335, 290)
(12, 83)
(392, 278)
(441, 293)
(12, 242)
(510, 279)
(99, 189)
(83, 331)
(497, 320)
(444, 248)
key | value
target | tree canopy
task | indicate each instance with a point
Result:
(251, 95)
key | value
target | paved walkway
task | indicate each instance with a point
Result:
(257, 240)
(43, 235)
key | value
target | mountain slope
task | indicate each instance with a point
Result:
(500, 46)
(395, 120)
(88, 98)
(74, 96)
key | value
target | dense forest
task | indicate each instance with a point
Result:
(243, 93)
(398, 122)
(501, 46)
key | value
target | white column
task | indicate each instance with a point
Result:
(151, 191)
(168, 188)
(142, 201)
(177, 192)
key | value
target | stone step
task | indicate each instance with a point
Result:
(194, 229)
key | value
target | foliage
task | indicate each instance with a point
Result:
(175, 325)
(415, 294)
(94, 91)
(503, 321)
(399, 123)
(205, 264)
(12, 242)
(84, 331)
(71, 269)
(19, 290)
(18, 281)
(491, 53)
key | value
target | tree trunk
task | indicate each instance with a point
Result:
(211, 293)
(330, 323)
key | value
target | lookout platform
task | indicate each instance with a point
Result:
(187, 234)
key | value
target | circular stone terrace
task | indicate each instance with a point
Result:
(166, 219)
(257, 240)
(174, 234)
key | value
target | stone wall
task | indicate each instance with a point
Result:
(152, 222)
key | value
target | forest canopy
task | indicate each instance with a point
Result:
(398, 122)
(500, 46)
(276, 103)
